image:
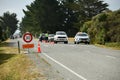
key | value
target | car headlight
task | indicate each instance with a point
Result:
(55, 38)
(77, 39)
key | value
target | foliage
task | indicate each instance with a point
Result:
(90, 8)
(1, 32)
(86, 26)
(53, 15)
(104, 27)
(8, 25)
(42, 16)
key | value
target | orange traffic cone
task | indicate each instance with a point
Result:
(39, 50)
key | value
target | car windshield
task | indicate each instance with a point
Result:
(60, 33)
(81, 35)
(51, 35)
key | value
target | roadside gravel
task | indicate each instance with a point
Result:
(44, 68)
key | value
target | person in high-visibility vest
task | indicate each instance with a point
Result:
(46, 37)
(40, 38)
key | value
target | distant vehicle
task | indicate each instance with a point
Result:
(61, 36)
(81, 37)
(50, 37)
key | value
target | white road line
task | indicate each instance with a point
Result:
(72, 45)
(111, 57)
(81, 77)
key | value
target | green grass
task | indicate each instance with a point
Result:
(113, 45)
(15, 66)
(110, 45)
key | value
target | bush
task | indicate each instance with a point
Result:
(104, 27)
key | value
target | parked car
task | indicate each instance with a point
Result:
(61, 36)
(81, 37)
(50, 37)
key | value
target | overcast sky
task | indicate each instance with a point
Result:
(16, 6)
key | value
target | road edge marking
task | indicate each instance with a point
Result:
(64, 66)
(112, 57)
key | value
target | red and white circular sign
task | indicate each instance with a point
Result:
(27, 37)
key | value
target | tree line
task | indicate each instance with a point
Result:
(53, 15)
(8, 25)
(71, 16)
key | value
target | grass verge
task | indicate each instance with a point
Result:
(14, 66)
(110, 45)
(71, 39)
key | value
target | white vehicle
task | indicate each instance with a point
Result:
(50, 37)
(81, 37)
(61, 36)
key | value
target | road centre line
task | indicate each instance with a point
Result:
(81, 77)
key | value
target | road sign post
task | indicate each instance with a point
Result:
(18, 47)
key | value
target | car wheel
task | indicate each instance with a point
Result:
(74, 42)
(88, 42)
(55, 42)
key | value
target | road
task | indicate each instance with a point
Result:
(82, 62)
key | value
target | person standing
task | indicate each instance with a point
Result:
(46, 37)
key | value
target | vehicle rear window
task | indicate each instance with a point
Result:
(81, 34)
(60, 34)
(51, 35)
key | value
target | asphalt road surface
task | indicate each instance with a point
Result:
(82, 62)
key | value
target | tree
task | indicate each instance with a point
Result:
(42, 16)
(8, 24)
(53, 15)
(70, 10)
(1, 30)
(77, 12)
(90, 8)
